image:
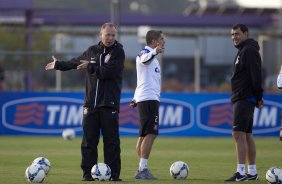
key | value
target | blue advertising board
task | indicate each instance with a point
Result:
(181, 114)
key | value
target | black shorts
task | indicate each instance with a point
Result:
(243, 116)
(149, 117)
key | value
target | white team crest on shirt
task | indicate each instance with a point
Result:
(237, 60)
(107, 58)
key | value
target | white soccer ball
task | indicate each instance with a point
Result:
(101, 171)
(274, 175)
(44, 162)
(179, 170)
(68, 134)
(35, 173)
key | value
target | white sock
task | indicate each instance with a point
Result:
(143, 164)
(252, 169)
(241, 169)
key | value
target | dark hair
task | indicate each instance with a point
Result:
(152, 35)
(242, 27)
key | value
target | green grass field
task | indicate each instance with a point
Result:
(211, 160)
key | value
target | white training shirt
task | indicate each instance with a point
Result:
(279, 79)
(148, 76)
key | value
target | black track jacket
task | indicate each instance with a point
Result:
(103, 76)
(246, 80)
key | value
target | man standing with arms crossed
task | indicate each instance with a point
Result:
(104, 65)
(247, 93)
(147, 99)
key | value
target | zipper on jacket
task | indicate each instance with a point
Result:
(97, 83)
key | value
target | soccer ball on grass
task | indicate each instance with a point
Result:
(35, 173)
(44, 162)
(274, 175)
(179, 170)
(101, 171)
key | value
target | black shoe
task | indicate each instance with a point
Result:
(252, 177)
(237, 177)
(87, 178)
(115, 179)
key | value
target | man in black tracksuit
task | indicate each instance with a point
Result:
(104, 65)
(247, 93)
(246, 80)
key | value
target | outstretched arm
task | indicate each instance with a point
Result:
(147, 57)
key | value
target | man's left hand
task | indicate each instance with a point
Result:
(83, 65)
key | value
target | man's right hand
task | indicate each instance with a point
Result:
(133, 104)
(51, 66)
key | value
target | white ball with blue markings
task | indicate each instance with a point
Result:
(274, 175)
(101, 172)
(44, 162)
(179, 170)
(35, 173)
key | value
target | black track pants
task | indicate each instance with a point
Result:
(106, 120)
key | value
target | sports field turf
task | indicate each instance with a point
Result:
(211, 160)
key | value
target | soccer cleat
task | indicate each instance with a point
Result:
(237, 177)
(252, 177)
(144, 175)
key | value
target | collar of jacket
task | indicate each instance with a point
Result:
(250, 42)
(102, 45)
(241, 45)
